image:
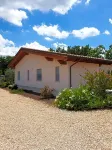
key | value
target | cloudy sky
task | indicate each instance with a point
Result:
(43, 24)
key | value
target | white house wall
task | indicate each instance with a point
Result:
(33, 62)
(106, 68)
(78, 71)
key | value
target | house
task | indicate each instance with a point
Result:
(35, 68)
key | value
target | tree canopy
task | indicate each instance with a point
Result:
(98, 52)
(4, 61)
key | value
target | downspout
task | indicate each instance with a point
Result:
(71, 72)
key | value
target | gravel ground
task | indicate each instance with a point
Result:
(27, 124)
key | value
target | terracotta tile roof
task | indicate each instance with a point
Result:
(59, 56)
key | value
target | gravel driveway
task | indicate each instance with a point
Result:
(27, 124)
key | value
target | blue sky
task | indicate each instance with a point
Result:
(43, 24)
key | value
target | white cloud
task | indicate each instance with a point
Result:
(23, 31)
(106, 32)
(9, 50)
(35, 45)
(48, 39)
(12, 10)
(51, 31)
(87, 2)
(8, 47)
(63, 9)
(61, 45)
(110, 20)
(13, 16)
(5, 42)
(86, 32)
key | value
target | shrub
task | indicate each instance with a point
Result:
(98, 82)
(108, 101)
(82, 99)
(91, 96)
(74, 99)
(63, 98)
(9, 76)
(4, 84)
(46, 92)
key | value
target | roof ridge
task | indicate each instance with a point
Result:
(67, 54)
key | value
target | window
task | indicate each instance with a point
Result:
(39, 74)
(18, 75)
(28, 75)
(57, 75)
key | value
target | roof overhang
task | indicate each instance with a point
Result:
(61, 57)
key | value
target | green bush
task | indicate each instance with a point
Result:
(98, 82)
(74, 99)
(4, 84)
(9, 76)
(108, 101)
(82, 99)
(46, 92)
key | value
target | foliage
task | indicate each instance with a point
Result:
(0, 72)
(98, 82)
(17, 91)
(46, 92)
(74, 99)
(91, 96)
(108, 54)
(9, 76)
(4, 84)
(4, 61)
(98, 52)
(8, 79)
(81, 99)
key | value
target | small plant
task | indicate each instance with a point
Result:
(46, 92)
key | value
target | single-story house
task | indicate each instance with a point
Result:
(36, 68)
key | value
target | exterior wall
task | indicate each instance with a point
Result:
(79, 70)
(106, 68)
(32, 63)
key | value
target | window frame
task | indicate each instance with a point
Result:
(57, 74)
(39, 75)
(28, 75)
(18, 76)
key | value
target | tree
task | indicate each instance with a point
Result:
(51, 50)
(61, 50)
(9, 76)
(109, 53)
(4, 61)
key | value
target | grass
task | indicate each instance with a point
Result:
(18, 91)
